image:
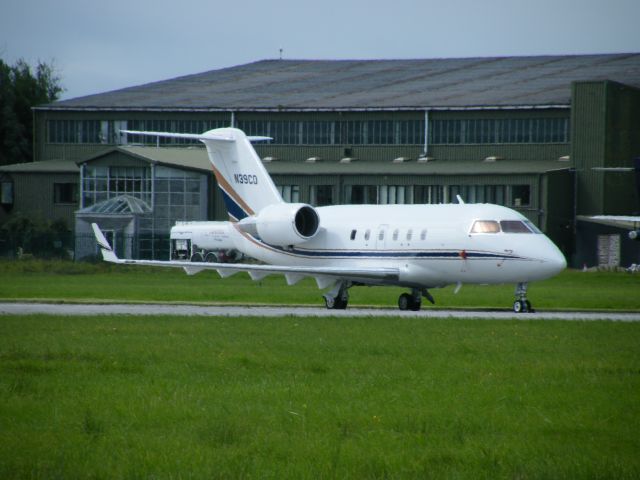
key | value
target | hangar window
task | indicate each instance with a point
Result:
(360, 194)
(177, 195)
(320, 195)
(394, 194)
(499, 130)
(318, 133)
(520, 195)
(428, 194)
(345, 132)
(6, 192)
(65, 193)
(286, 132)
(290, 193)
(479, 193)
(74, 131)
(485, 226)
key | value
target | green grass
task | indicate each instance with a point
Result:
(175, 397)
(66, 281)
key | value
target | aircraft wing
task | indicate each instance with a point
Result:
(324, 276)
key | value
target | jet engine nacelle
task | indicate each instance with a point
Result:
(287, 223)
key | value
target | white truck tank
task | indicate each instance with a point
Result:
(202, 242)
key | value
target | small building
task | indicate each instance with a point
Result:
(136, 194)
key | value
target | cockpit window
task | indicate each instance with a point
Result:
(514, 226)
(485, 226)
(533, 228)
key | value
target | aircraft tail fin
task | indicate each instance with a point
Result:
(245, 184)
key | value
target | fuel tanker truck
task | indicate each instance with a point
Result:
(203, 242)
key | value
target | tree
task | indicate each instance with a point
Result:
(20, 90)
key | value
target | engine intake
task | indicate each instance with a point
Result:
(287, 223)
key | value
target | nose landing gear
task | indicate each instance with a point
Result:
(522, 305)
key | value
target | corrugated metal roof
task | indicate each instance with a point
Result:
(458, 168)
(196, 158)
(192, 158)
(48, 166)
(500, 82)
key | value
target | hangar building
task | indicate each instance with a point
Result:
(553, 137)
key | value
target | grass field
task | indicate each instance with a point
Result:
(173, 397)
(67, 281)
(178, 397)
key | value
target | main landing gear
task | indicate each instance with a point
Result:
(522, 305)
(412, 301)
(338, 297)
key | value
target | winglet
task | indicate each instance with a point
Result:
(107, 252)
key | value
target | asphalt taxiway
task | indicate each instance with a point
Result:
(22, 308)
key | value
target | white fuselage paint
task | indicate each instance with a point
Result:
(431, 245)
(448, 253)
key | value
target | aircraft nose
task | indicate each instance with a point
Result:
(554, 259)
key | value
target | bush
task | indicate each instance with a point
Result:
(21, 235)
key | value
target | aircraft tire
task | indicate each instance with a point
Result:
(211, 258)
(522, 306)
(340, 304)
(197, 257)
(329, 302)
(335, 303)
(405, 301)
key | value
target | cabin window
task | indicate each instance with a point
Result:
(514, 226)
(423, 235)
(485, 226)
(367, 234)
(353, 234)
(395, 234)
(409, 234)
(381, 235)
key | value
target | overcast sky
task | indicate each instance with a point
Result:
(107, 45)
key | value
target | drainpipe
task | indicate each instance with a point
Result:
(541, 212)
(82, 186)
(426, 133)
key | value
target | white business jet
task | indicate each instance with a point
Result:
(419, 247)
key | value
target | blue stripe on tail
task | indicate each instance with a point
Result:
(233, 208)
